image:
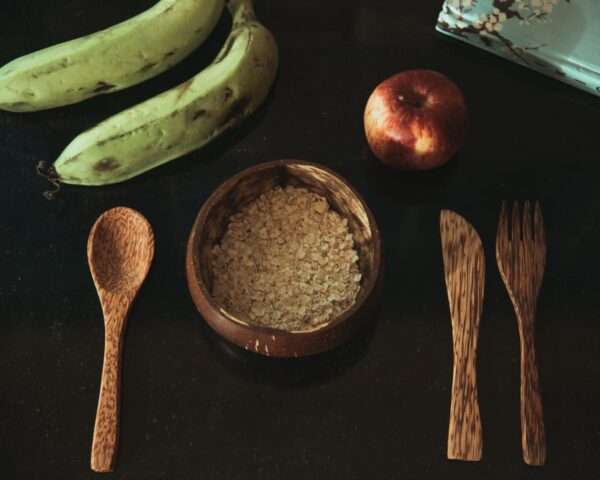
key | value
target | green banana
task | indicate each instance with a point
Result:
(182, 119)
(109, 60)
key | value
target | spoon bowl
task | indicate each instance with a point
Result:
(120, 250)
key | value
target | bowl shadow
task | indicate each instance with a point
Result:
(299, 372)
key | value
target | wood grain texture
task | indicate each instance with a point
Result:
(464, 268)
(521, 257)
(120, 251)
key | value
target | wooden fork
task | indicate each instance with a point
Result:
(521, 256)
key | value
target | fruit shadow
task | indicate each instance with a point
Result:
(218, 147)
(410, 187)
(293, 372)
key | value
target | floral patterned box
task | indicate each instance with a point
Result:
(560, 38)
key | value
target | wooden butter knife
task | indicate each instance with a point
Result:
(464, 268)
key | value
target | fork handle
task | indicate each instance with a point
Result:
(533, 435)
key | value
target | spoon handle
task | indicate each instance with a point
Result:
(106, 428)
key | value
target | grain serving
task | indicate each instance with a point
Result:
(286, 261)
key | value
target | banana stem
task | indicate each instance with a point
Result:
(242, 11)
(44, 169)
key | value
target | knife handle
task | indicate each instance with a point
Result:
(465, 441)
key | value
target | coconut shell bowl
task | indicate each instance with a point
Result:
(212, 221)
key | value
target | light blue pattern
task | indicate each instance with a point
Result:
(560, 38)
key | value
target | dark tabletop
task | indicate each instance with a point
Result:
(196, 407)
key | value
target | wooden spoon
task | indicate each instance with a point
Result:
(120, 250)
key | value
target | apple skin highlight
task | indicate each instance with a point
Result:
(416, 120)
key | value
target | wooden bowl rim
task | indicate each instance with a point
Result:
(195, 277)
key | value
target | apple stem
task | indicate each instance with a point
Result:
(414, 102)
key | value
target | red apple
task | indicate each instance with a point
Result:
(416, 120)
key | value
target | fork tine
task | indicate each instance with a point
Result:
(516, 223)
(502, 233)
(538, 225)
(527, 224)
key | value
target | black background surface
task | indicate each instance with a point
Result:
(194, 407)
